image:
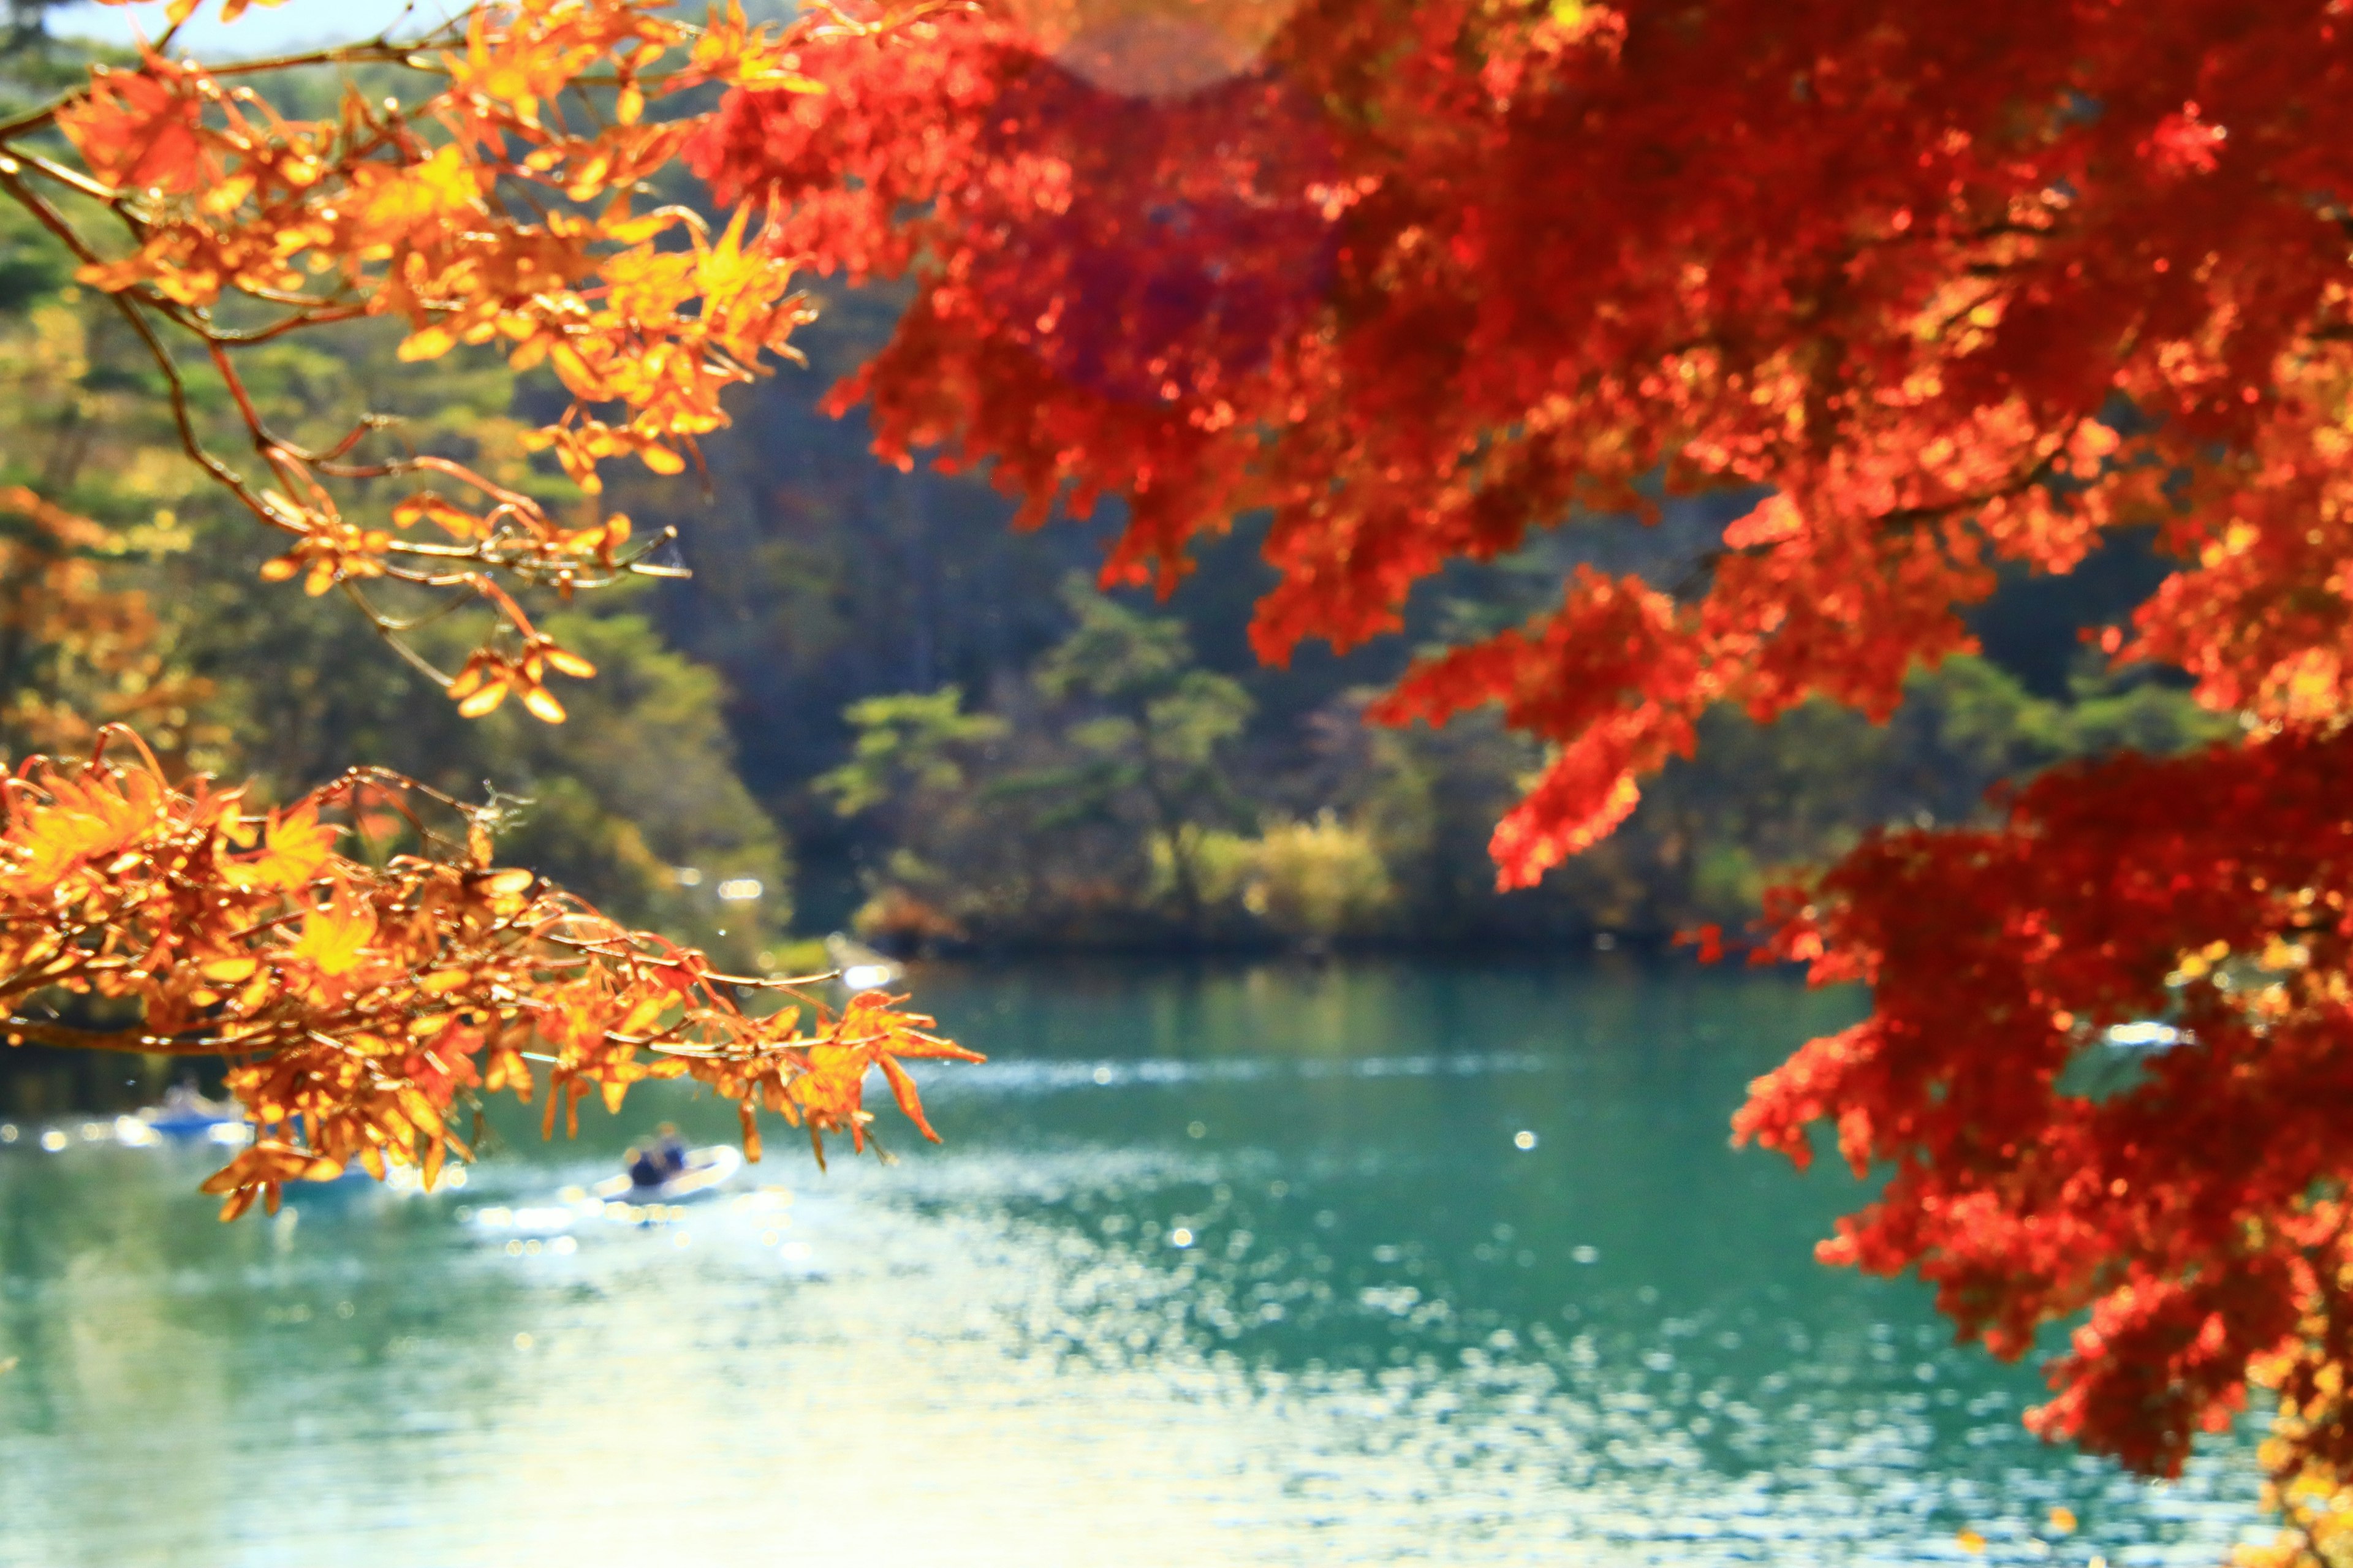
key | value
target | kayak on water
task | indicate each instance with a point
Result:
(704, 1171)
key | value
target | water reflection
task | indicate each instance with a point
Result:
(1220, 1267)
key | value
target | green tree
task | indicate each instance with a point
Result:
(909, 741)
(1158, 730)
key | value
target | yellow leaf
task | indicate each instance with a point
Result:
(589, 178)
(421, 1114)
(426, 505)
(483, 701)
(295, 846)
(637, 230)
(543, 705)
(790, 81)
(335, 935)
(1969, 1541)
(430, 342)
(508, 883)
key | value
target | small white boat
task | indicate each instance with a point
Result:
(707, 1170)
(188, 1115)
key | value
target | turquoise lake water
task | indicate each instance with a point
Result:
(1361, 1263)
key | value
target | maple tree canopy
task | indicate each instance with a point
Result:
(1939, 288)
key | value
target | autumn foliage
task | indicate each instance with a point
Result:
(356, 956)
(360, 1003)
(500, 207)
(1937, 290)
(59, 618)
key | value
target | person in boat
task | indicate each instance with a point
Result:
(646, 1166)
(670, 1150)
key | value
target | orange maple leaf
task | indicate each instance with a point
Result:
(294, 847)
(336, 934)
(91, 820)
(138, 129)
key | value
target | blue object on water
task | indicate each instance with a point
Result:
(705, 1171)
(189, 1115)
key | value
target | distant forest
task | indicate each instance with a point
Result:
(966, 743)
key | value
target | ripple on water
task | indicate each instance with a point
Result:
(1352, 1323)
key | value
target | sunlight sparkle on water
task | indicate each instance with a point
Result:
(1343, 1331)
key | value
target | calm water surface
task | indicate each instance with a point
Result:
(1217, 1267)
